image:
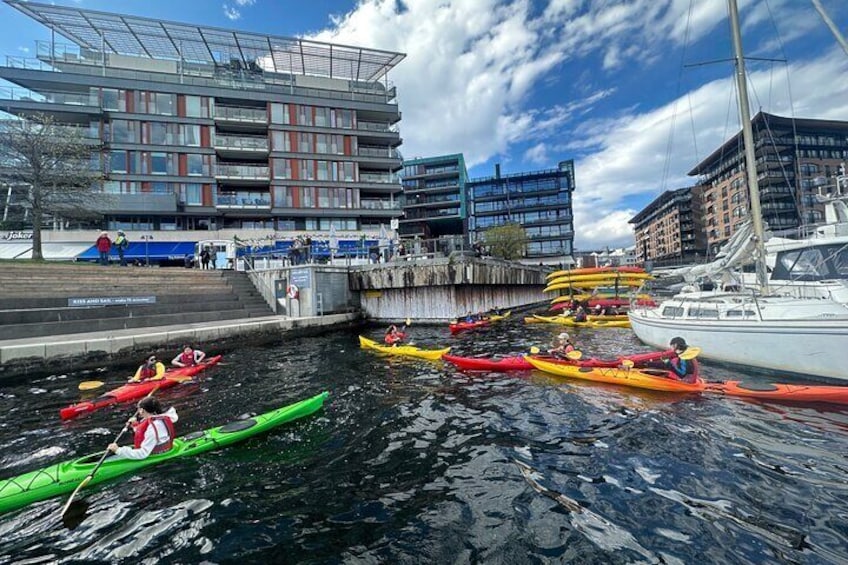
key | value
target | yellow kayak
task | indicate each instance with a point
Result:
(639, 378)
(497, 317)
(574, 279)
(568, 321)
(611, 271)
(404, 350)
(601, 283)
(600, 296)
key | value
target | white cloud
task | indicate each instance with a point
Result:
(23, 49)
(244, 3)
(231, 13)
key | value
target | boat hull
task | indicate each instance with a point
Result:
(813, 347)
(403, 350)
(636, 378)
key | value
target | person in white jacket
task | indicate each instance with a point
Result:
(153, 431)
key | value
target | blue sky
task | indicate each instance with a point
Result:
(527, 83)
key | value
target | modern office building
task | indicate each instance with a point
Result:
(796, 160)
(669, 230)
(435, 202)
(201, 128)
(539, 201)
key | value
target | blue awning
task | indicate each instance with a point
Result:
(155, 250)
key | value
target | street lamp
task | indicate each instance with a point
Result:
(146, 238)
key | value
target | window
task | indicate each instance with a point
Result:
(307, 199)
(307, 169)
(195, 165)
(304, 115)
(282, 169)
(323, 198)
(321, 143)
(190, 135)
(322, 117)
(159, 163)
(113, 99)
(162, 104)
(118, 161)
(124, 131)
(193, 107)
(304, 142)
(160, 187)
(158, 133)
(191, 194)
(279, 113)
(280, 141)
(323, 170)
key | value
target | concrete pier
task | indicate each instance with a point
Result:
(443, 288)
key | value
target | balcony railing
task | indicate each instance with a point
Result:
(379, 204)
(241, 143)
(26, 95)
(387, 179)
(382, 128)
(236, 114)
(243, 200)
(242, 172)
(379, 152)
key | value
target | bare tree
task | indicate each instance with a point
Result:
(53, 162)
(508, 241)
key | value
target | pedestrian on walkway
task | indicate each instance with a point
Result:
(103, 244)
(121, 244)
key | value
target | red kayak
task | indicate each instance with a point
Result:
(131, 391)
(782, 392)
(519, 363)
(460, 326)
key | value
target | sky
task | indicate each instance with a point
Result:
(636, 92)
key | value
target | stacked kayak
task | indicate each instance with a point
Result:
(402, 350)
(650, 379)
(782, 392)
(520, 363)
(132, 391)
(568, 321)
(65, 477)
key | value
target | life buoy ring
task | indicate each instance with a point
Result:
(293, 292)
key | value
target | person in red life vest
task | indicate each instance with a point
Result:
(562, 346)
(150, 370)
(153, 431)
(104, 245)
(394, 336)
(685, 370)
(189, 357)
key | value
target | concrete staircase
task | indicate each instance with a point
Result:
(34, 298)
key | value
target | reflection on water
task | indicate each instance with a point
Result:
(414, 461)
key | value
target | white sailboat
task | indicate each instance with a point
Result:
(781, 333)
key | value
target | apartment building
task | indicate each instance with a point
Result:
(539, 201)
(797, 159)
(435, 199)
(670, 229)
(206, 129)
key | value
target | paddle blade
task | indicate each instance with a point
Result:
(690, 353)
(575, 355)
(534, 350)
(90, 385)
(627, 364)
(409, 321)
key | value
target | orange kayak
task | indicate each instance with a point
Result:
(650, 379)
(782, 392)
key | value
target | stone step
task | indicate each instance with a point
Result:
(22, 331)
(45, 316)
(57, 302)
(86, 291)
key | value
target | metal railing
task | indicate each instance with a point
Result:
(27, 95)
(241, 142)
(235, 113)
(242, 172)
(379, 204)
(387, 179)
(378, 152)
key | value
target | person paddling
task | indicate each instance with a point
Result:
(189, 357)
(394, 336)
(152, 370)
(562, 346)
(153, 431)
(685, 370)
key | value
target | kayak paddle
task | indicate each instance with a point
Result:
(690, 353)
(90, 385)
(90, 476)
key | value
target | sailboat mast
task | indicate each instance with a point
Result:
(748, 141)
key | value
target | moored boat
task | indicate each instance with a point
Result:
(402, 350)
(132, 391)
(64, 477)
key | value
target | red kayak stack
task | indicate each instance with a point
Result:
(132, 391)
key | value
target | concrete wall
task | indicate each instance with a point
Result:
(322, 289)
(444, 271)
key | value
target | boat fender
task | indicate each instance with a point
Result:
(237, 426)
(762, 387)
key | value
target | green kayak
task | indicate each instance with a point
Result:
(65, 477)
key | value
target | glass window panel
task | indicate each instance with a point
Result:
(159, 163)
(191, 135)
(195, 165)
(280, 141)
(110, 100)
(321, 143)
(304, 115)
(118, 161)
(308, 197)
(323, 170)
(282, 169)
(193, 107)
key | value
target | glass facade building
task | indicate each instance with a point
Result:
(435, 201)
(540, 201)
(201, 128)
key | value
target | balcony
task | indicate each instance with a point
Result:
(240, 144)
(379, 179)
(240, 115)
(379, 204)
(243, 200)
(242, 172)
(67, 106)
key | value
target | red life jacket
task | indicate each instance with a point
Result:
(393, 338)
(147, 371)
(161, 447)
(187, 359)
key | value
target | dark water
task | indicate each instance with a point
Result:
(414, 462)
